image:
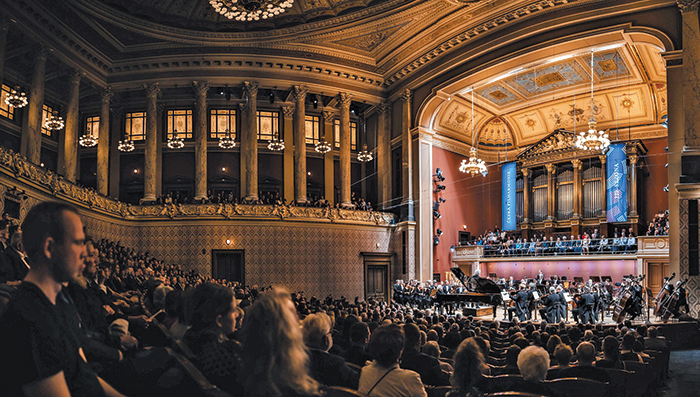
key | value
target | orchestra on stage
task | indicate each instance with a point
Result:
(553, 299)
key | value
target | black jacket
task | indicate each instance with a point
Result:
(428, 367)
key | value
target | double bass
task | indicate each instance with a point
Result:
(669, 305)
(619, 312)
(662, 295)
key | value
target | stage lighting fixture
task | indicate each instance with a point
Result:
(436, 240)
(222, 91)
(436, 215)
(436, 206)
(666, 149)
(439, 188)
(438, 175)
(666, 188)
(666, 166)
(439, 232)
(441, 200)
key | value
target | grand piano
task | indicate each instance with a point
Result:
(478, 290)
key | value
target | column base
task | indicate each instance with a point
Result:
(347, 205)
(251, 198)
(147, 200)
(200, 198)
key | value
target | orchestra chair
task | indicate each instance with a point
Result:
(620, 381)
(642, 377)
(438, 391)
(195, 383)
(578, 387)
(513, 394)
(338, 391)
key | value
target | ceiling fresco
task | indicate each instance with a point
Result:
(629, 91)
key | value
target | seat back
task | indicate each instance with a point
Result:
(513, 394)
(438, 391)
(620, 380)
(338, 391)
(502, 382)
(578, 387)
(197, 383)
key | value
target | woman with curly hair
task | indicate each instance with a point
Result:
(276, 360)
(469, 367)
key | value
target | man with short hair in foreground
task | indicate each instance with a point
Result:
(39, 329)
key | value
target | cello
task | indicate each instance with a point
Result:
(662, 295)
(669, 305)
(619, 312)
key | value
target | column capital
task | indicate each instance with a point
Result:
(525, 171)
(250, 89)
(406, 95)
(75, 76)
(106, 95)
(577, 164)
(42, 52)
(551, 168)
(384, 108)
(242, 106)
(288, 111)
(344, 100)
(603, 159)
(299, 93)
(160, 108)
(116, 112)
(633, 159)
(327, 115)
(688, 5)
(200, 88)
(152, 90)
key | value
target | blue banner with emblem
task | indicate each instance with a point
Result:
(617, 183)
(508, 175)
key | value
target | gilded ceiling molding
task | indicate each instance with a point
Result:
(462, 149)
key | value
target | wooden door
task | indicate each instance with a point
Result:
(376, 281)
(229, 265)
(656, 271)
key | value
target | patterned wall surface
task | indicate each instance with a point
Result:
(693, 285)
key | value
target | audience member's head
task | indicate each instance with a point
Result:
(432, 348)
(359, 333)
(552, 344)
(585, 352)
(412, 333)
(316, 329)
(468, 366)
(611, 348)
(653, 332)
(512, 356)
(386, 344)
(533, 363)
(563, 354)
(212, 306)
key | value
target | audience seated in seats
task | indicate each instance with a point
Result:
(174, 320)
(432, 349)
(626, 352)
(511, 367)
(659, 225)
(585, 352)
(563, 354)
(39, 328)
(383, 377)
(326, 368)
(428, 367)
(213, 315)
(654, 341)
(533, 363)
(359, 337)
(469, 368)
(13, 262)
(276, 360)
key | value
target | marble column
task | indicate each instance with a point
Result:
(604, 186)
(103, 144)
(70, 147)
(328, 161)
(299, 120)
(406, 158)
(345, 141)
(578, 192)
(384, 155)
(149, 181)
(691, 71)
(114, 153)
(526, 195)
(160, 127)
(31, 130)
(633, 185)
(288, 153)
(200, 140)
(249, 149)
(551, 201)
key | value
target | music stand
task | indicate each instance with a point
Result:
(607, 278)
(493, 276)
(578, 279)
(596, 279)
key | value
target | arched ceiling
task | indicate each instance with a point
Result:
(522, 100)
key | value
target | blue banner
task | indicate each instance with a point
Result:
(617, 183)
(508, 196)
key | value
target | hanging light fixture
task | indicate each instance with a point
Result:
(54, 122)
(364, 155)
(275, 144)
(175, 142)
(475, 164)
(323, 146)
(592, 139)
(17, 98)
(87, 140)
(250, 10)
(126, 145)
(227, 142)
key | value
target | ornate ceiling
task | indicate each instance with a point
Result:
(519, 104)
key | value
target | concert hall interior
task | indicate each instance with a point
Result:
(372, 148)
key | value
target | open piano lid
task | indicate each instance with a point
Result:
(478, 285)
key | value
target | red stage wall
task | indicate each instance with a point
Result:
(570, 268)
(471, 201)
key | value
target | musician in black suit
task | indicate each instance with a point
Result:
(552, 309)
(520, 302)
(585, 303)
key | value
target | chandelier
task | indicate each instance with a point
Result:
(275, 145)
(593, 139)
(364, 156)
(475, 164)
(250, 10)
(323, 147)
(54, 122)
(87, 140)
(227, 142)
(17, 98)
(175, 142)
(127, 145)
